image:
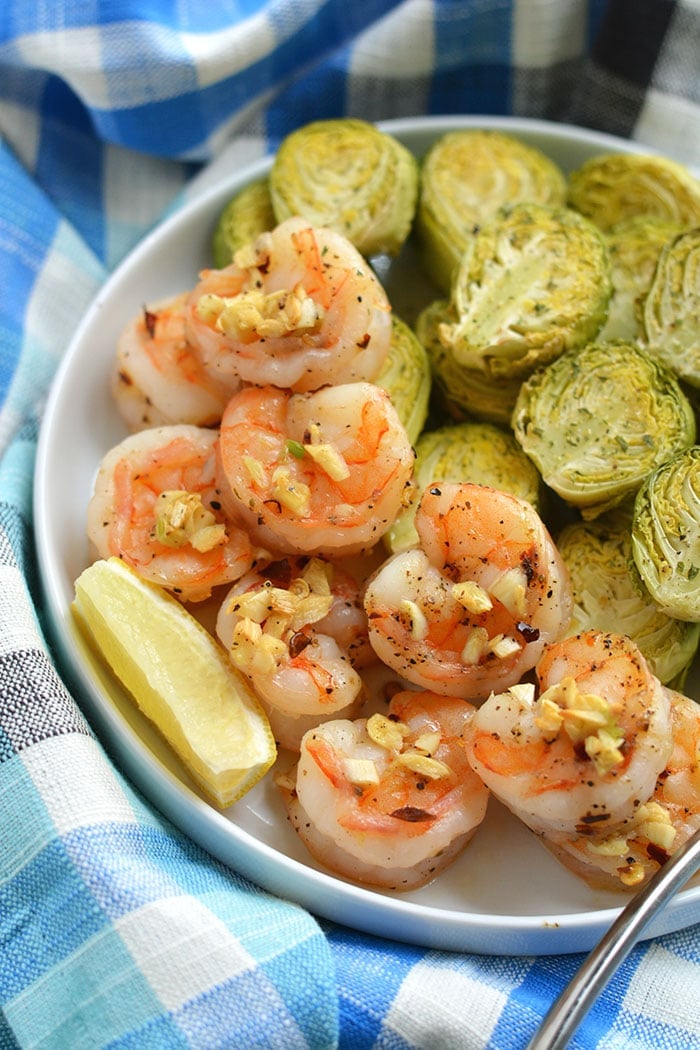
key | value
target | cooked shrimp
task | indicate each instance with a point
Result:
(158, 377)
(388, 801)
(318, 473)
(471, 609)
(279, 628)
(299, 308)
(586, 753)
(156, 505)
(627, 856)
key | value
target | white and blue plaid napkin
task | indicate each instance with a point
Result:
(115, 930)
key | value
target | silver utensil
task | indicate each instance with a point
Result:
(569, 1009)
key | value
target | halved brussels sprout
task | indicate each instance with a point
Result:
(598, 420)
(406, 377)
(466, 176)
(634, 248)
(248, 214)
(609, 596)
(350, 176)
(462, 392)
(672, 307)
(478, 452)
(532, 283)
(614, 187)
(666, 534)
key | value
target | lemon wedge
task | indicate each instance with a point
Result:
(180, 678)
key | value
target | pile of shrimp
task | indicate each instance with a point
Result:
(262, 470)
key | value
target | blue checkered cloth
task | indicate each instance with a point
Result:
(115, 929)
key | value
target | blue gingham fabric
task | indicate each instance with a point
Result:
(115, 930)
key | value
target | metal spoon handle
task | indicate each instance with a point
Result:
(567, 1012)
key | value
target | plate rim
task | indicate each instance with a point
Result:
(323, 894)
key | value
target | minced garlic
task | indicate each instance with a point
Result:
(472, 596)
(330, 460)
(360, 771)
(502, 646)
(255, 314)
(586, 718)
(416, 618)
(510, 589)
(423, 765)
(293, 494)
(475, 646)
(270, 616)
(652, 822)
(182, 518)
(386, 732)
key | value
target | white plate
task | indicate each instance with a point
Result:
(505, 894)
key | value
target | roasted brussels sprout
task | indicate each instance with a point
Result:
(462, 393)
(246, 215)
(634, 248)
(466, 176)
(672, 307)
(598, 420)
(609, 596)
(666, 534)
(350, 176)
(406, 377)
(532, 283)
(614, 187)
(478, 452)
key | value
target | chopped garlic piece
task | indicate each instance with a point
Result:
(386, 732)
(318, 575)
(294, 495)
(615, 846)
(330, 460)
(502, 646)
(602, 749)
(255, 469)
(524, 692)
(259, 604)
(653, 821)
(472, 596)
(586, 718)
(632, 874)
(418, 623)
(182, 518)
(510, 589)
(310, 610)
(360, 771)
(550, 719)
(255, 314)
(475, 646)
(253, 651)
(423, 765)
(428, 742)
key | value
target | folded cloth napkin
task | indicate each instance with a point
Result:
(115, 929)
